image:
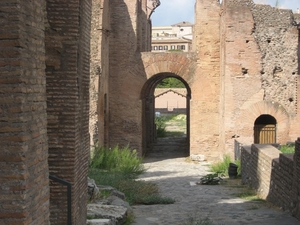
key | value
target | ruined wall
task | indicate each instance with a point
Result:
(95, 67)
(261, 61)
(126, 75)
(245, 66)
(277, 38)
(24, 192)
(296, 178)
(275, 176)
(67, 72)
(241, 69)
(205, 101)
(100, 32)
(257, 161)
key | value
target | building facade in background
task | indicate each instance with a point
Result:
(177, 37)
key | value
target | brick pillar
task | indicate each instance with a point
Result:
(24, 191)
(296, 180)
(67, 72)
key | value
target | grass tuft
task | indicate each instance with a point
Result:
(119, 160)
(287, 149)
(250, 195)
(221, 167)
(119, 168)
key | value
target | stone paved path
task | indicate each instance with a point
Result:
(168, 167)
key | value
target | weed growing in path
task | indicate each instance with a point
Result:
(221, 167)
(119, 168)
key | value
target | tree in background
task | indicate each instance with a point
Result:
(170, 82)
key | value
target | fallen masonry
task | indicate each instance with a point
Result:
(112, 210)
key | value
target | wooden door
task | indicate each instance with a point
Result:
(265, 134)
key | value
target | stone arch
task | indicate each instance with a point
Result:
(248, 116)
(181, 64)
(148, 108)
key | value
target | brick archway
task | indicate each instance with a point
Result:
(181, 64)
(148, 109)
(157, 67)
(249, 115)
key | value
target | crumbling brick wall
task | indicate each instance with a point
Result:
(277, 38)
(260, 70)
(282, 182)
(24, 192)
(246, 65)
(206, 83)
(257, 162)
(126, 74)
(275, 176)
(296, 178)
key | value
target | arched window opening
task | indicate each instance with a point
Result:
(265, 130)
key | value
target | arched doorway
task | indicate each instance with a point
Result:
(265, 130)
(148, 99)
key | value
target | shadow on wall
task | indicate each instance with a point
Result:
(120, 114)
(273, 175)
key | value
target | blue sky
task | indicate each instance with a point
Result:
(175, 11)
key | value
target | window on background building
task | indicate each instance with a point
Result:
(160, 47)
(166, 47)
(181, 29)
(154, 47)
(172, 47)
(179, 47)
(182, 47)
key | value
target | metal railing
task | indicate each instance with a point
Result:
(69, 195)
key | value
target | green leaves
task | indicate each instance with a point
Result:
(170, 82)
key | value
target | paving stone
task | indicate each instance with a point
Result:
(219, 203)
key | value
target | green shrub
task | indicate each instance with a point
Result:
(118, 168)
(287, 149)
(160, 126)
(120, 160)
(136, 191)
(222, 166)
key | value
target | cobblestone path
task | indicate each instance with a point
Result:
(176, 177)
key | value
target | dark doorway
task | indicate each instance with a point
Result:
(149, 127)
(265, 130)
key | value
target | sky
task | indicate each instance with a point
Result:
(175, 11)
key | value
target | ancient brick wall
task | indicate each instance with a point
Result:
(241, 66)
(296, 178)
(260, 69)
(205, 101)
(282, 182)
(24, 192)
(67, 72)
(257, 162)
(126, 75)
(95, 68)
(100, 33)
(297, 17)
(273, 175)
(245, 65)
(277, 38)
